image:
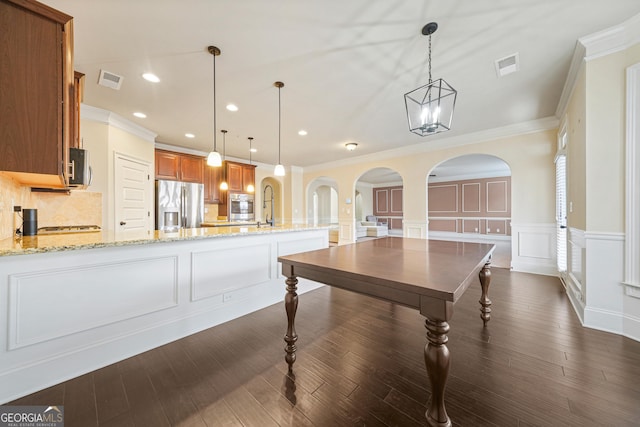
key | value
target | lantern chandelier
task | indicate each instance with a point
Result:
(430, 107)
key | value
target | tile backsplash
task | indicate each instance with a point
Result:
(77, 208)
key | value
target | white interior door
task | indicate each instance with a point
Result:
(133, 195)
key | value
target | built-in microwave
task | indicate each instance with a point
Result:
(79, 168)
(241, 207)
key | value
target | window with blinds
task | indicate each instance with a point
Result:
(561, 211)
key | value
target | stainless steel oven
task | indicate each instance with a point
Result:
(241, 207)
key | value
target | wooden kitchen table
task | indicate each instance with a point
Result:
(428, 275)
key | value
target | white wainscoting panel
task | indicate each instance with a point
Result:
(576, 251)
(415, 229)
(63, 314)
(347, 232)
(52, 303)
(219, 271)
(604, 273)
(533, 248)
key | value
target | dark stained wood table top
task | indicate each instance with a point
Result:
(397, 269)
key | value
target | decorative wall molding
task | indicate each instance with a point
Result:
(154, 297)
(347, 233)
(415, 229)
(74, 304)
(632, 197)
(533, 248)
(576, 250)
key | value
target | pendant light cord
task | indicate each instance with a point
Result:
(279, 125)
(215, 130)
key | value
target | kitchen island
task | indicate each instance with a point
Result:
(73, 303)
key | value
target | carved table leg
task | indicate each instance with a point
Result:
(485, 302)
(291, 305)
(437, 359)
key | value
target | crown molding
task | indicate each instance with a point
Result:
(87, 112)
(523, 128)
(597, 45)
(611, 40)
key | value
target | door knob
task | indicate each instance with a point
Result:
(123, 223)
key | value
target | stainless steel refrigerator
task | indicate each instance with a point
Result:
(179, 205)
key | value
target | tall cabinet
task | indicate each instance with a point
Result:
(37, 91)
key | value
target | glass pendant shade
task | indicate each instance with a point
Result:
(279, 170)
(430, 108)
(214, 159)
(250, 188)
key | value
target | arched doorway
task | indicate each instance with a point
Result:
(270, 202)
(378, 192)
(469, 199)
(322, 201)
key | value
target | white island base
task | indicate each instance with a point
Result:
(66, 313)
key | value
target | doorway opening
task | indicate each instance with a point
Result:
(469, 199)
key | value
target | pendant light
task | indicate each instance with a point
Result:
(214, 159)
(430, 107)
(250, 188)
(279, 170)
(223, 185)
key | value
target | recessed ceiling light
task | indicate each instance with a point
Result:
(302, 132)
(140, 115)
(232, 107)
(189, 135)
(351, 146)
(150, 77)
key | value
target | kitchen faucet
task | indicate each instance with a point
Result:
(264, 204)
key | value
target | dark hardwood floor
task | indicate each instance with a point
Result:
(360, 362)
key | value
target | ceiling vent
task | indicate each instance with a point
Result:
(110, 80)
(507, 65)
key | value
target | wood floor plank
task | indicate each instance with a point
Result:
(80, 402)
(360, 362)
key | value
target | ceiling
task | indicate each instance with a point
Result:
(346, 66)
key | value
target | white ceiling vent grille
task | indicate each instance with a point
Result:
(110, 80)
(507, 65)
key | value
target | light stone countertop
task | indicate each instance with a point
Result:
(102, 239)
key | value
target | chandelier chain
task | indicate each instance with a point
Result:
(430, 81)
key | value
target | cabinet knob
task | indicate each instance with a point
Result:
(123, 223)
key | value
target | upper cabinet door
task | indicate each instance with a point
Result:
(191, 169)
(234, 177)
(167, 165)
(37, 79)
(248, 176)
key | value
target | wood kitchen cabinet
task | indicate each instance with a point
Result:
(37, 88)
(179, 167)
(239, 176)
(212, 179)
(76, 99)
